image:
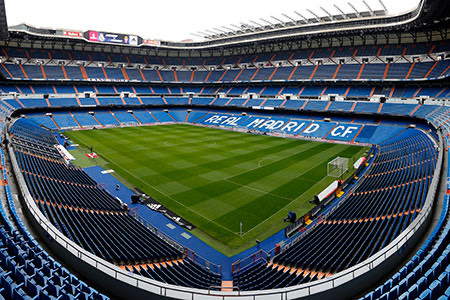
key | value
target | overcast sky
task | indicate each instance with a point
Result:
(171, 19)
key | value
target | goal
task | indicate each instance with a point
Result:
(337, 167)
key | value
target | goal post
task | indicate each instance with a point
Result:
(337, 167)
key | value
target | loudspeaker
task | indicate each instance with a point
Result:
(291, 217)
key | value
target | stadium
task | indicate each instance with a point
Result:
(298, 159)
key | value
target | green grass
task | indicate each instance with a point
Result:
(216, 178)
(83, 161)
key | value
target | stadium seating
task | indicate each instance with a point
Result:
(27, 270)
(362, 51)
(311, 70)
(101, 226)
(351, 92)
(47, 177)
(402, 160)
(47, 183)
(179, 272)
(385, 201)
(426, 275)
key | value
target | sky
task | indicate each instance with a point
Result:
(173, 20)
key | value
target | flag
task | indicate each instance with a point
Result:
(92, 155)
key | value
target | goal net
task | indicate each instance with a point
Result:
(337, 167)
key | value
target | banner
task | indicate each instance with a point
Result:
(114, 38)
(133, 40)
(76, 34)
(152, 43)
(93, 36)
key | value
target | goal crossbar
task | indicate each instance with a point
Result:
(337, 167)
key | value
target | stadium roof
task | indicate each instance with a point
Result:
(333, 28)
(178, 20)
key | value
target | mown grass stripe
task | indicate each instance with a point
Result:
(217, 178)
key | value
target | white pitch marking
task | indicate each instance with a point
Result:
(264, 159)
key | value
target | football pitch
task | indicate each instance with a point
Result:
(217, 179)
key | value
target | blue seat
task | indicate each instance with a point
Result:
(69, 289)
(52, 290)
(421, 285)
(403, 272)
(29, 270)
(44, 296)
(393, 293)
(447, 292)
(404, 296)
(402, 286)
(429, 275)
(426, 295)
(410, 266)
(418, 270)
(387, 286)
(82, 296)
(413, 291)
(31, 289)
(444, 259)
(396, 278)
(435, 288)
(436, 267)
(444, 279)
(411, 279)
(74, 281)
(377, 292)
